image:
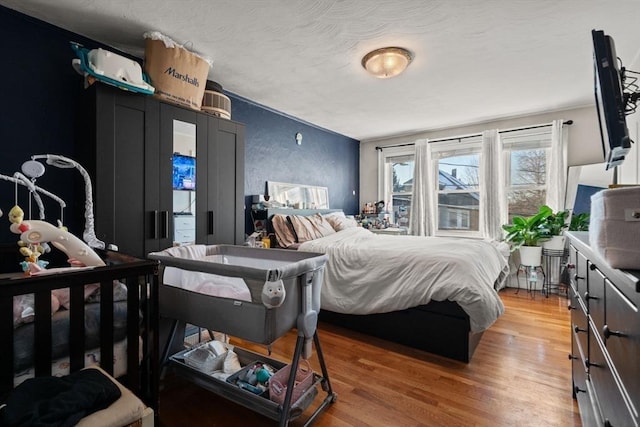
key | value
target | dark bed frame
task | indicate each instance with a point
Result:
(440, 327)
(141, 279)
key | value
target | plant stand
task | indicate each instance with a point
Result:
(532, 277)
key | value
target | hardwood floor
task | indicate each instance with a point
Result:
(519, 376)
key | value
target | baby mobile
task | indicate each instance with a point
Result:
(35, 234)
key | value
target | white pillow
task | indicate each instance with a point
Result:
(340, 223)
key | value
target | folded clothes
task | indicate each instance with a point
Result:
(58, 401)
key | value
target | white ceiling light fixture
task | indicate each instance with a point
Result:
(387, 61)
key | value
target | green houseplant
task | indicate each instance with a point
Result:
(526, 232)
(579, 222)
(552, 228)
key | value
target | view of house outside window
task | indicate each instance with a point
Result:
(525, 155)
(458, 193)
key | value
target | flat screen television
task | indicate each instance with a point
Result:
(610, 100)
(184, 172)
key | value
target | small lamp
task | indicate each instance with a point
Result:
(387, 61)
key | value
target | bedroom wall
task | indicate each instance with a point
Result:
(584, 143)
(40, 93)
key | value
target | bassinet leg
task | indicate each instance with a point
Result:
(286, 405)
(326, 384)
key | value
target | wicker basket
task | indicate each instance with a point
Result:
(279, 380)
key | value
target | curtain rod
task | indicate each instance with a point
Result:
(475, 135)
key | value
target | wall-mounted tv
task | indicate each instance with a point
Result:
(610, 100)
(184, 172)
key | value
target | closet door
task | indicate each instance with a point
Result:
(112, 149)
(183, 151)
(225, 193)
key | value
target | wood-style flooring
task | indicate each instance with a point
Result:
(520, 375)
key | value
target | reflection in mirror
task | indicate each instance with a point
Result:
(184, 183)
(584, 181)
(297, 196)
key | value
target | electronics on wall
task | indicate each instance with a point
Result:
(184, 172)
(616, 94)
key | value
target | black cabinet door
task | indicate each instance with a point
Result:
(225, 192)
(113, 154)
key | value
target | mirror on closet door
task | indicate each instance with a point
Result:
(582, 182)
(184, 182)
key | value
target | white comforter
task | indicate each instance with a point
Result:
(372, 273)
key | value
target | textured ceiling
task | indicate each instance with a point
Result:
(474, 60)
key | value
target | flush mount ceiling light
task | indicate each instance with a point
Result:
(387, 61)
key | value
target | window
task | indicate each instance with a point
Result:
(526, 156)
(525, 178)
(398, 183)
(458, 190)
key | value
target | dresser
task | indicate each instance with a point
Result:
(605, 337)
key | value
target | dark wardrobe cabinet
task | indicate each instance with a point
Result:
(127, 144)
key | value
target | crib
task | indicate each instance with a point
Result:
(251, 320)
(68, 347)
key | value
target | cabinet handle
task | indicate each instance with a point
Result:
(588, 296)
(577, 390)
(154, 224)
(570, 307)
(572, 357)
(577, 329)
(590, 364)
(576, 277)
(210, 222)
(165, 223)
(609, 333)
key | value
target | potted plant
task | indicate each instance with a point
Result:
(525, 234)
(552, 230)
(579, 222)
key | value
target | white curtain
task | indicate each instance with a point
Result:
(422, 196)
(492, 194)
(557, 168)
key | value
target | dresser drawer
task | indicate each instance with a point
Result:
(579, 325)
(580, 274)
(624, 350)
(613, 405)
(594, 297)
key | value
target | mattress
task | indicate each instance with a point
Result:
(23, 336)
(60, 367)
(372, 273)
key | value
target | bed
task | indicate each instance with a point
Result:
(432, 293)
(118, 334)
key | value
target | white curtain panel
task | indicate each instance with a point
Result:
(557, 168)
(492, 193)
(422, 199)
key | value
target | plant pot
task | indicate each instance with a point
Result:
(531, 256)
(556, 243)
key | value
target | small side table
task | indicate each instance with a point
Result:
(533, 273)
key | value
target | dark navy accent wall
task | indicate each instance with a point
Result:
(39, 96)
(324, 158)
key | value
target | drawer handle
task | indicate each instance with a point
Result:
(609, 333)
(590, 364)
(576, 277)
(577, 329)
(570, 307)
(588, 296)
(577, 390)
(572, 357)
